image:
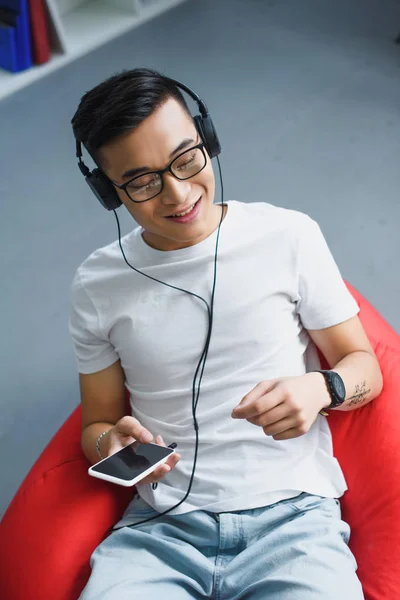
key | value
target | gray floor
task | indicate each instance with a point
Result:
(306, 99)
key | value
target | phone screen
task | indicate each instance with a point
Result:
(132, 460)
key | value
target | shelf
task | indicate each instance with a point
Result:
(95, 23)
(12, 82)
(86, 27)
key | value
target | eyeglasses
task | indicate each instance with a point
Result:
(147, 186)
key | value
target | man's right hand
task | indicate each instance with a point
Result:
(128, 430)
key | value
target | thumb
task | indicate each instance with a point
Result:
(129, 426)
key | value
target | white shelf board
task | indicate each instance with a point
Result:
(11, 82)
(86, 28)
(95, 23)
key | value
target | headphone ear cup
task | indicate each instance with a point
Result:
(207, 132)
(104, 191)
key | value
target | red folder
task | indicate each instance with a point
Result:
(39, 32)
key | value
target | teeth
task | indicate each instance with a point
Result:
(184, 213)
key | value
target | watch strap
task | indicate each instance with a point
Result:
(335, 401)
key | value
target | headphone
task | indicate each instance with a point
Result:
(107, 195)
(102, 187)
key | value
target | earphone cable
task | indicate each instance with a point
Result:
(174, 287)
(203, 358)
(215, 277)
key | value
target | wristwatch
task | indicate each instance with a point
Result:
(336, 388)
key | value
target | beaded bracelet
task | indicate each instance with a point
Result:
(98, 444)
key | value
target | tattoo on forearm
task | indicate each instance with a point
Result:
(360, 394)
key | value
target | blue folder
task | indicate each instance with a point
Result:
(8, 48)
(22, 34)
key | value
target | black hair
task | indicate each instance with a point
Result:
(120, 104)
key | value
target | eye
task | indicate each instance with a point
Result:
(185, 161)
(143, 182)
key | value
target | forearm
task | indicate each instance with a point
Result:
(362, 378)
(89, 438)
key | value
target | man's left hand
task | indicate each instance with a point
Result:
(285, 408)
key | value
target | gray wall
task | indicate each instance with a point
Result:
(306, 99)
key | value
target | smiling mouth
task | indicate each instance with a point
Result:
(182, 214)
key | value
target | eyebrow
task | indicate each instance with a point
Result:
(133, 172)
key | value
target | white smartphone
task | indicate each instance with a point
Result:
(131, 464)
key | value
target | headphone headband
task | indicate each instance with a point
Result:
(202, 107)
(104, 190)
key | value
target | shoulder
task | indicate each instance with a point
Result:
(102, 265)
(269, 217)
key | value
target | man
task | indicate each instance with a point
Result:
(262, 519)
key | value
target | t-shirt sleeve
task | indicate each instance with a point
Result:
(323, 298)
(93, 350)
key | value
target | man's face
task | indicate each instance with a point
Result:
(153, 145)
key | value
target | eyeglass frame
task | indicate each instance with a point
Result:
(161, 172)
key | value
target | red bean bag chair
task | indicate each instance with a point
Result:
(60, 514)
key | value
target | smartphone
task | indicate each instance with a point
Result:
(131, 464)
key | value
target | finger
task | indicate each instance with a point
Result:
(173, 460)
(162, 470)
(259, 390)
(131, 426)
(274, 415)
(279, 427)
(159, 440)
(288, 434)
(260, 405)
(165, 468)
(156, 475)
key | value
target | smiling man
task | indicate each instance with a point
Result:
(262, 519)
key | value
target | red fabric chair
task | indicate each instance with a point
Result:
(60, 514)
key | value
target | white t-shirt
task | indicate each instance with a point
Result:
(275, 277)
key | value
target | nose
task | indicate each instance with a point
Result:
(175, 191)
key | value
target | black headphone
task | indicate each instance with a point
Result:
(103, 188)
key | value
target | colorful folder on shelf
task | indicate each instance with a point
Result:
(16, 39)
(8, 48)
(39, 32)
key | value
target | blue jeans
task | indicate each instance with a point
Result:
(293, 550)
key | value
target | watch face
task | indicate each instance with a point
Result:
(338, 386)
